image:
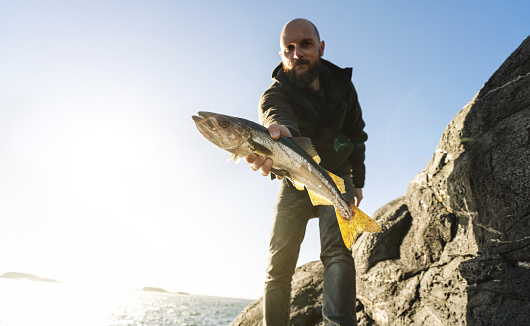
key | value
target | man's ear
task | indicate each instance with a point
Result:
(322, 44)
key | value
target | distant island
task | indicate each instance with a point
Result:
(154, 289)
(28, 277)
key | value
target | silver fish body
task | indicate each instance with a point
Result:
(293, 158)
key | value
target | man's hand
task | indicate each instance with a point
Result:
(358, 196)
(257, 161)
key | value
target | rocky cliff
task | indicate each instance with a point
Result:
(455, 249)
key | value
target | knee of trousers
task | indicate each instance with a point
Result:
(279, 276)
(282, 265)
(341, 257)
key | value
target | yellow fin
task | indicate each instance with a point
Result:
(352, 228)
(339, 182)
(316, 199)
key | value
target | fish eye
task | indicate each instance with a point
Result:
(223, 121)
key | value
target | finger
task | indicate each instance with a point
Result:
(284, 131)
(274, 130)
(266, 167)
(251, 158)
(256, 165)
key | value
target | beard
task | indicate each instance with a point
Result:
(304, 79)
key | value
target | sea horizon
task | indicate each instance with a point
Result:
(19, 276)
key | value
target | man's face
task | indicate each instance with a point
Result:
(301, 50)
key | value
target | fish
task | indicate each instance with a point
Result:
(293, 158)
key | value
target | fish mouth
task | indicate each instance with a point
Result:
(203, 118)
(203, 123)
(197, 119)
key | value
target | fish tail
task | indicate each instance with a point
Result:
(352, 227)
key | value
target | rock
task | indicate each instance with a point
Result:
(455, 249)
(464, 260)
(465, 256)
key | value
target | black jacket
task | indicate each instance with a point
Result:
(331, 118)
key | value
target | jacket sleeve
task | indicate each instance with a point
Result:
(274, 108)
(353, 128)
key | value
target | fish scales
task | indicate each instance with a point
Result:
(284, 158)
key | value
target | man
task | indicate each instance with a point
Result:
(313, 98)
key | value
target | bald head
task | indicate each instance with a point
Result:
(297, 24)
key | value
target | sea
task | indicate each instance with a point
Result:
(33, 303)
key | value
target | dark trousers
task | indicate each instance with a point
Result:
(291, 214)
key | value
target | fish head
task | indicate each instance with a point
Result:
(223, 131)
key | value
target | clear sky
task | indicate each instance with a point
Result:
(104, 178)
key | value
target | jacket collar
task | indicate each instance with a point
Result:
(330, 74)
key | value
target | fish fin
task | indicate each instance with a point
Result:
(236, 158)
(259, 148)
(339, 182)
(316, 199)
(298, 185)
(352, 228)
(280, 173)
(306, 145)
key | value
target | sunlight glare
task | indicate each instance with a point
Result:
(98, 163)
